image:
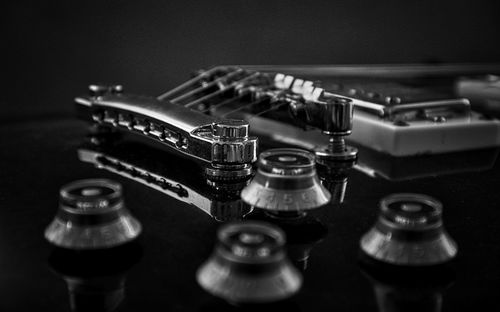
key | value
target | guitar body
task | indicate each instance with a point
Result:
(159, 269)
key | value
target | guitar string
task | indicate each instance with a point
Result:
(274, 107)
(218, 92)
(242, 107)
(223, 103)
(187, 84)
(183, 86)
(206, 86)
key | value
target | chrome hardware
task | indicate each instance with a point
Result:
(308, 102)
(230, 129)
(114, 165)
(333, 116)
(286, 181)
(149, 166)
(231, 143)
(229, 209)
(334, 177)
(451, 109)
(388, 113)
(249, 265)
(100, 90)
(224, 144)
(409, 231)
(393, 115)
(92, 215)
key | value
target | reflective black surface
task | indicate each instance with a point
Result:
(38, 158)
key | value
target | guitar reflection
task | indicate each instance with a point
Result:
(95, 278)
(184, 181)
(376, 164)
(303, 232)
(399, 288)
(334, 177)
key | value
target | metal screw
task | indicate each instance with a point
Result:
(339, 125)
(97, 90)
(336, 144)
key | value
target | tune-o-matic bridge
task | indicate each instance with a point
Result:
(224, 143)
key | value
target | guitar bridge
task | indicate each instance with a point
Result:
(222, 143)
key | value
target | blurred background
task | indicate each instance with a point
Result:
(56, 48)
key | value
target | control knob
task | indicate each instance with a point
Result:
(92, 215)
(286, 181)
(409, 231)
(249, 265)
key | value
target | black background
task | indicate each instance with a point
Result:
(54, 49)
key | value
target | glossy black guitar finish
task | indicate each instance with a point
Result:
(158, 271)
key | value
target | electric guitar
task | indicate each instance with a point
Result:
(183, 161)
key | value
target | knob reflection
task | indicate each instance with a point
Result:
(399, 289)
(303, 232)
(226, 204)
(95, 278)
(334, 176)
(222, 306)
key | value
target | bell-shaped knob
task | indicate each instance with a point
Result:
(286, 181)
(249, 265)
(92, 215)
(409, 231)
